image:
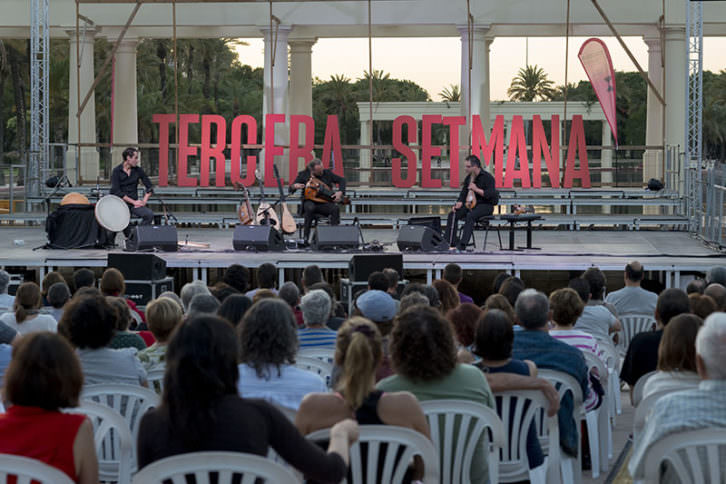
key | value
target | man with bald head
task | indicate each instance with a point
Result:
(633, 299)
(718, 294)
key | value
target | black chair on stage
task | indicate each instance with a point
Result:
(482, 224)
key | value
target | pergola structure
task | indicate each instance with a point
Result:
(294, 27)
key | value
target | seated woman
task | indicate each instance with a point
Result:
(88, 323)
(26, 317)
(494, 339)
(163, 315)
(45, 376)
(122, 337)
(358, 353)
(268, 345)
(201, 410)
(424, 357)
(448, 295)
(676, 357)
(234, 308)
(463, 321)
(565, 308)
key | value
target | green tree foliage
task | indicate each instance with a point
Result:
(451, 94)
(531, 84)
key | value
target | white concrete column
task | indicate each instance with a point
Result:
(301, 76)
(88, 169)
(125, 131)
(275, 93)
(480, 44)
(653, 159)
(606, 156)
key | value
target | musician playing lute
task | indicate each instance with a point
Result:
(326, 201)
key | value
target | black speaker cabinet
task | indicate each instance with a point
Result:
(421, 238)
(257, 237)
(433, 222)
(139, 267)
(336, 237)
(145, 237)
(141, 292)
(363, 265)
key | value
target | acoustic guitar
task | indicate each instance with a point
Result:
(265, 215)
(244, 212)
(288, 223)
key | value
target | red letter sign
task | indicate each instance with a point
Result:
(270, 149)
(577, 143)
(517, 144)
(453, 122)
(185, 150)
(332, 143)
(207, 152)
(403, 148)
(427, 151)
(484, 150)
(164, 120)
(296, 151)
(539, 146)
(236, 151)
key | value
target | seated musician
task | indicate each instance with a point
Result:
(484, 187)
(319, 206)
(124, 181)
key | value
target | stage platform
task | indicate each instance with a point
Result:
(669, 252)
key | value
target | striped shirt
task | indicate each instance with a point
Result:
(316, 338)
(584, 342)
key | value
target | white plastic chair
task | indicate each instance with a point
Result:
(155, 377)
(315, 365)
(470, 421)
(639, 386)
(694, 456)
(612, 359)
(599, 431)
(642, 411)
(29, 470)
(113, 441)
(325, 354)
(394, 466)
(570, 468)
(633, 324)
(519, 409)
(226, 464)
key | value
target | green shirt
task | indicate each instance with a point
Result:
(464, 383)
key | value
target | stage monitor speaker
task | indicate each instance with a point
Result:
(257, 237)
(433, 222)
(146, 237)
(139, 267)
(421, 238)
(361, 266)
(336, 237)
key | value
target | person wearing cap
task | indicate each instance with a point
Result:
(381, 308)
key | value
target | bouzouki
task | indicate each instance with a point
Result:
(288, 223)
(244, 212)
(266, 215)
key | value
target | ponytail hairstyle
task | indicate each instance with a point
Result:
(27, 301)
(358, 352)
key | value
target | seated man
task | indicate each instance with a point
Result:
(125, 179)
(535, 344)
(315, 306)
(701, 408)
(642, 355)
(633, 299)
(312, 207)
(595, 320)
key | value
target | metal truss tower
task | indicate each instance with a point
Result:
(37, 167)
(694, 104)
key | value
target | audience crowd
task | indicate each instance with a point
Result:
(231, 353)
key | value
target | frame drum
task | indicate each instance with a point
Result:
(112, 213)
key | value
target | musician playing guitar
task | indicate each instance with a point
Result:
(325, 204)
(477, 199)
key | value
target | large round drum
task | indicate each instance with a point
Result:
(112, 213)
(75, 198)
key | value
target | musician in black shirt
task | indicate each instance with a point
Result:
(124, 182)
(311, 208)
(484, 187)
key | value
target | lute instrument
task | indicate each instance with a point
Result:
(318, 191)
(288, 223)
(244, 212)
(265, 215)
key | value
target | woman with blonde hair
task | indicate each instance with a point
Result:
(163, 316)
(26, 317)
(358, 353)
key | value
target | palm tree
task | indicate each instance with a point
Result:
(451, 94)
(530, 84)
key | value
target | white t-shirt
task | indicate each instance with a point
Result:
(671, 381)
(38, 322)
(286, 390)
(597, 321)
(106, 365)
(633, 300)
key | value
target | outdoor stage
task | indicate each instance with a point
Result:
(671, 253)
